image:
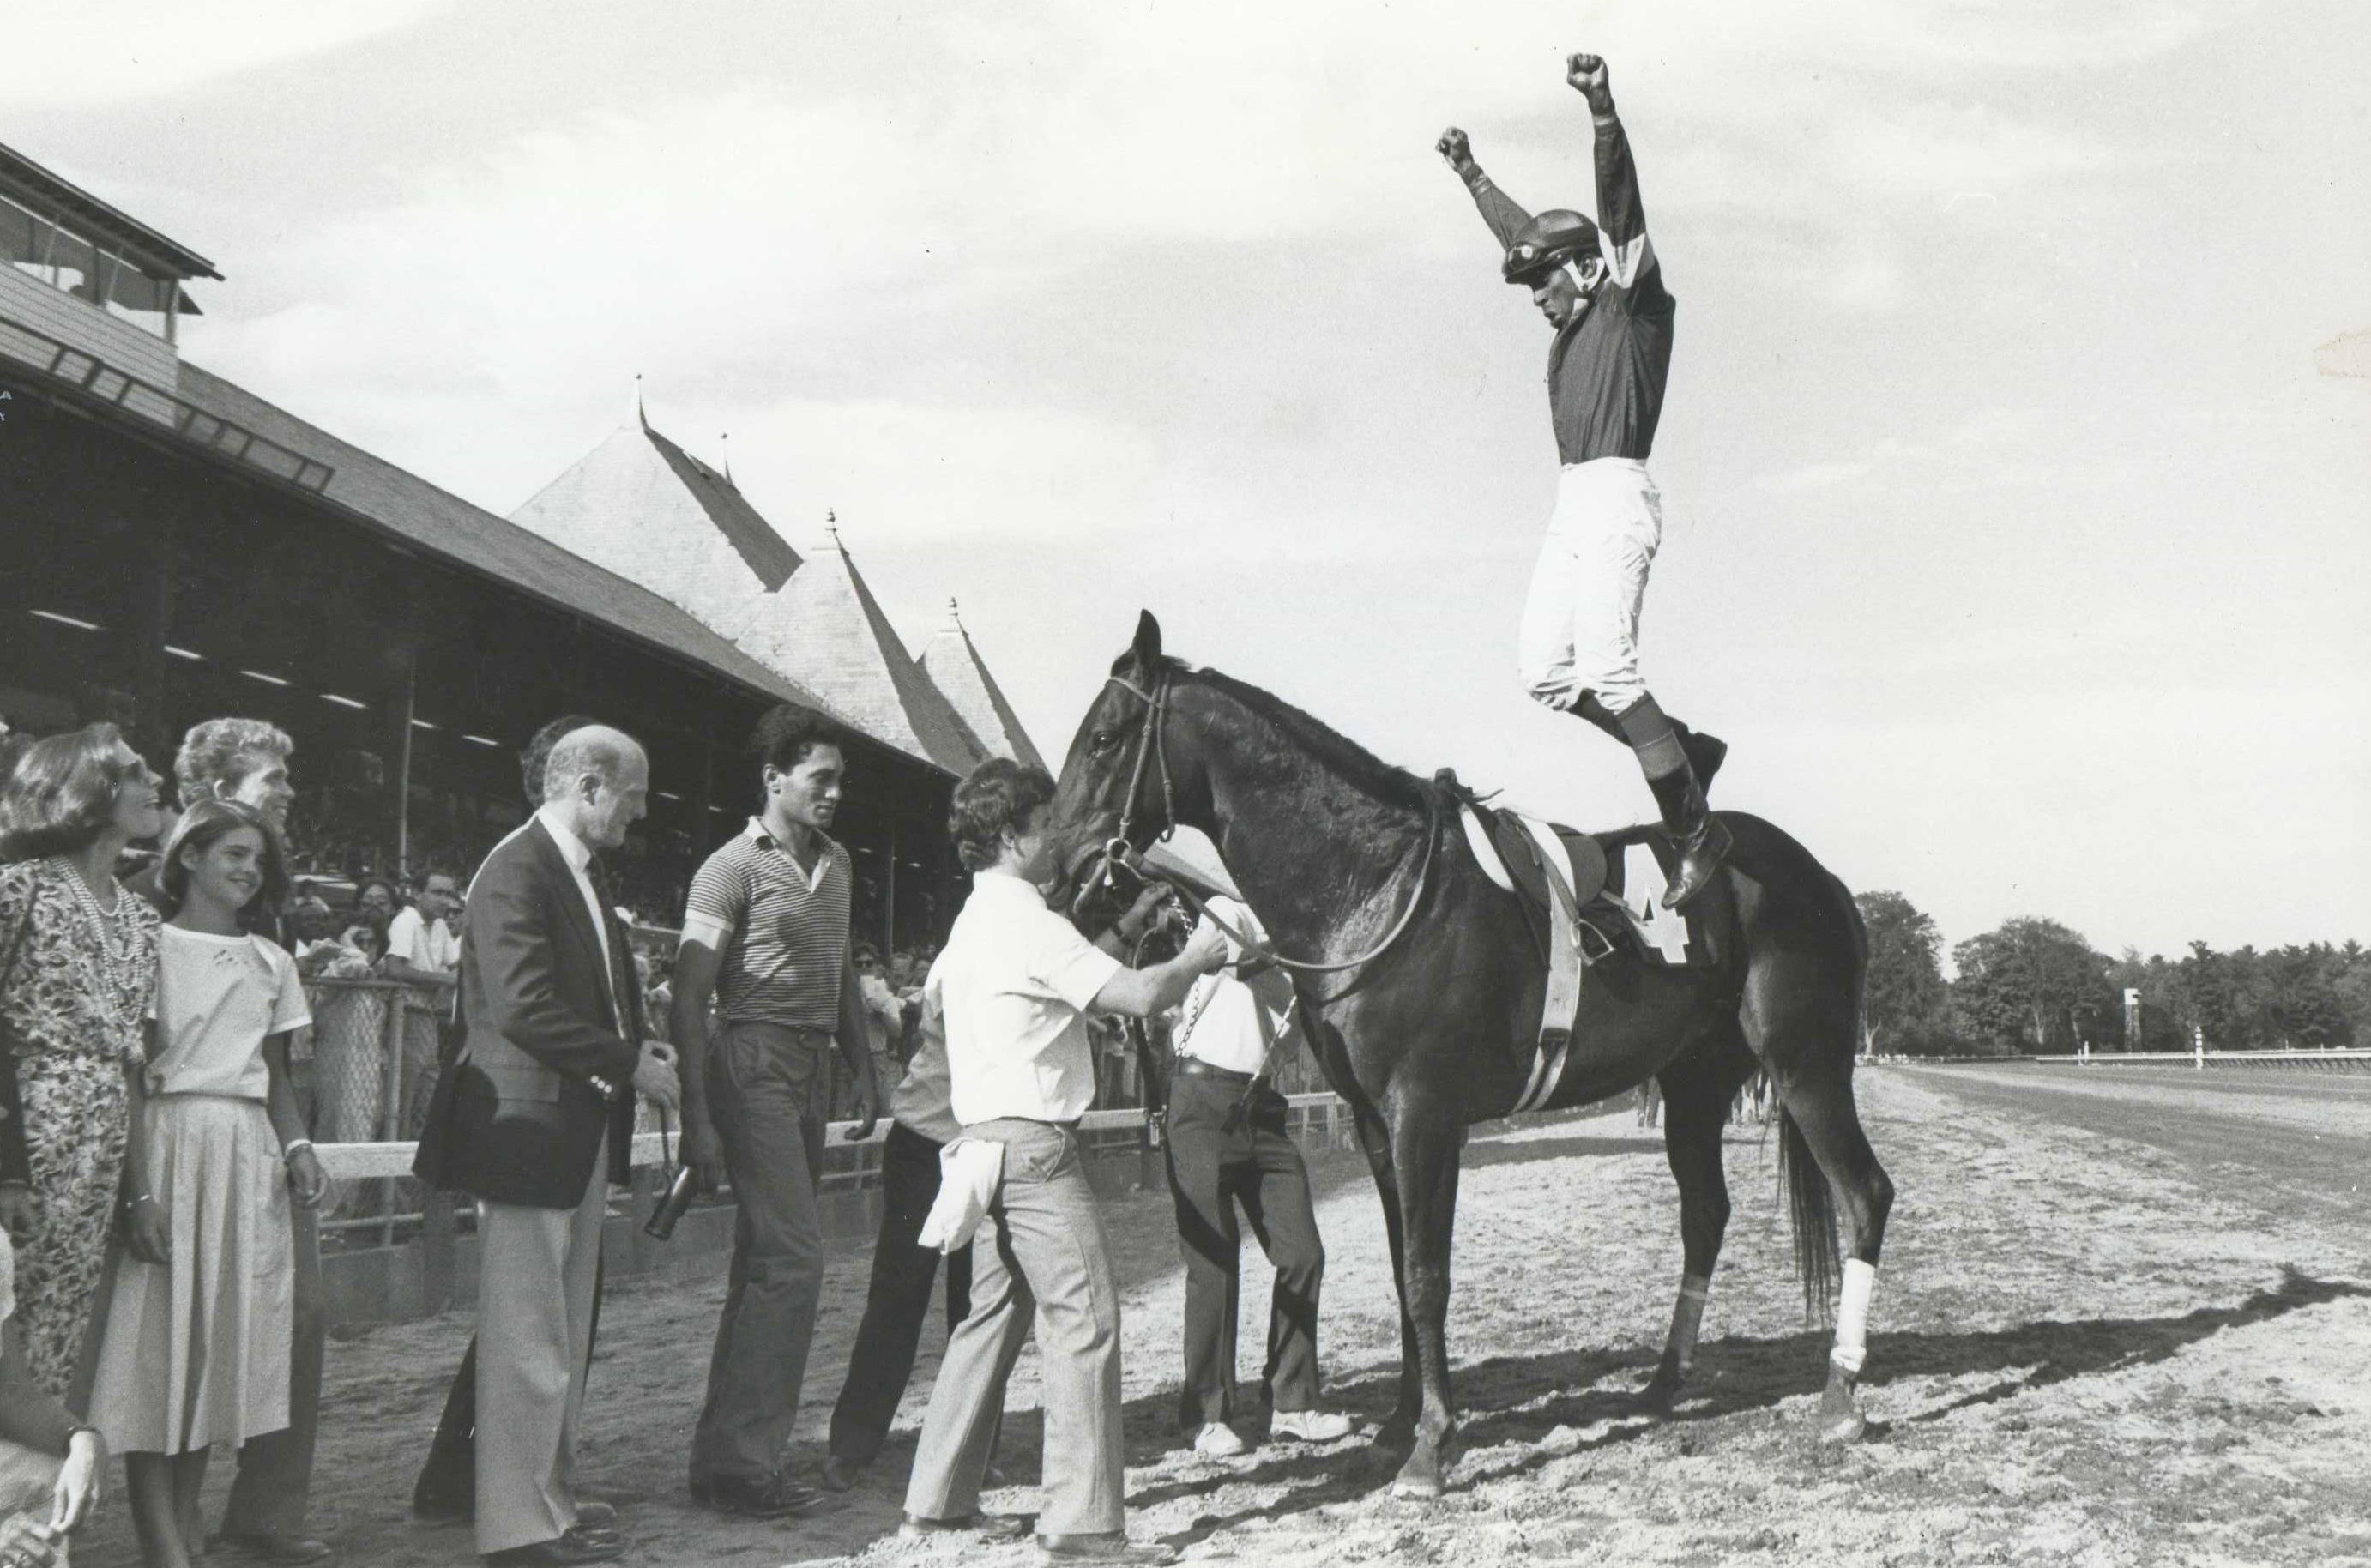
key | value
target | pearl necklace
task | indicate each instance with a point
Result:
(119, 978)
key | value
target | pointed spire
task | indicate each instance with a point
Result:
(831, 526)
(955, 617)
(639, 418)
(727, 439)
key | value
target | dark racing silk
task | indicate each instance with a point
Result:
(1608, 368)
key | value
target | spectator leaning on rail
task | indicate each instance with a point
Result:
(1601, 289)
(766, 930)
(78, 968)
(424, 952)
(247, 761)
(1012, 991)
(52, 1470)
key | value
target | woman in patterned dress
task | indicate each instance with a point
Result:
(77, 965)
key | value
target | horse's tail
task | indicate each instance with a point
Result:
(1813, 1210)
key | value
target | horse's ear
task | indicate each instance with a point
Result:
(1148, 640)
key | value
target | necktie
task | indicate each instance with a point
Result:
(621, 962)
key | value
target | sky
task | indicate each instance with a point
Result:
(2015, 463)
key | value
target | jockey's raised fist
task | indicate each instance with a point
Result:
(1454, 147)
(1588, 76)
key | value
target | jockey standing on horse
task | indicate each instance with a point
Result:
(1601, 289)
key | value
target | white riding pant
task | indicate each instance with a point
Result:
(1580, 621)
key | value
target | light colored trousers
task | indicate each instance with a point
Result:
(1040, 1253)
(1580, 621)
(536, 1274)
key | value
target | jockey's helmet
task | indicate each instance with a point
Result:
(1553, 237)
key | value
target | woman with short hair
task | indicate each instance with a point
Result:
(78, 968)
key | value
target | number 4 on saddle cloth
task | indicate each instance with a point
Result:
(1588, 898)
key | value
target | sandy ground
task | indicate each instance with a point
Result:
(2088, 1347)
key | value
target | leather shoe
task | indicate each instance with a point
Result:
(769, 1499)
(1111, 1546)
(836, 1476)
(568, 1551)
(995, 1527)
(273, 1547)
(591, 1515)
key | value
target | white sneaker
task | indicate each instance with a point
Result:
(1218, 1441)
(1310, 1425)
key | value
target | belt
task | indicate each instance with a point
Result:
(1194, 1066)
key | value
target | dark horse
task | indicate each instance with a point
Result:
(1343, 857)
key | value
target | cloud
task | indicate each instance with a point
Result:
(106, 52)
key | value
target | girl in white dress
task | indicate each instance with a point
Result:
(198, 1332)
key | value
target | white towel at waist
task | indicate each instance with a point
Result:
(969, 1169)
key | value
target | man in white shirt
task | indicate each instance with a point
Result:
(1227, 1144)
(420, 947)
(1013, 987)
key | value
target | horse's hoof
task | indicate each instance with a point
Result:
(1657, 1400)
(1844, 1426)
(1420, 1488)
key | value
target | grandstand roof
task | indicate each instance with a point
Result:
(825, 629)
(441, 524)
(644, 507)
(954, 666)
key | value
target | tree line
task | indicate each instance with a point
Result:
(2035, 985)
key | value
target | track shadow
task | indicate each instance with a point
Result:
(1520, 1400)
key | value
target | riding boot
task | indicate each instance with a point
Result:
(1670, 775)
(1703, 838)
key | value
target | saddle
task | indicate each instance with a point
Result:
(1587, 897)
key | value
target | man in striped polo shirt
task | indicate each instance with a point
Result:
(765, 930)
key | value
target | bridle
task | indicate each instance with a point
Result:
(1153, 751)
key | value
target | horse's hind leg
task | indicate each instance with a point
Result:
(1425, 1137)
(1829, 1166)
(1697, 1093)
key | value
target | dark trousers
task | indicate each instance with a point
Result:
(275, 1486)
(1212, 1171)
(448, 1479)
(767, 1087)
(898, 1300)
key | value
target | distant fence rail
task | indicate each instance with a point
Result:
(2334, 1060)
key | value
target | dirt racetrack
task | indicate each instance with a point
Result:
(2097, 1338)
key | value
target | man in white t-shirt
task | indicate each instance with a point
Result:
(1013, 987)
(1227, 1144)
(420, 947)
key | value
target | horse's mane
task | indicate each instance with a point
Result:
(1322, 740)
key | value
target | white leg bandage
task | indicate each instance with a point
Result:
(1688, 1319)
(1851, 1317)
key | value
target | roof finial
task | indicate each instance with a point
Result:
(727, 439)
(641, 418)
(955, 615)
(831, 526)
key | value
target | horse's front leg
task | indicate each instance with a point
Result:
(1375, 1139)
(1426, 1136)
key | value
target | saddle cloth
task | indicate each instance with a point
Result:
(1594, 893)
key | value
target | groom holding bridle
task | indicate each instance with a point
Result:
(1601, 289)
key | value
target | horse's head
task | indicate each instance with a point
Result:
(1120, 783)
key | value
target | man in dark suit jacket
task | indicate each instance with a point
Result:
(534, 1120)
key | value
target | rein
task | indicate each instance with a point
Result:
(1152, 750)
